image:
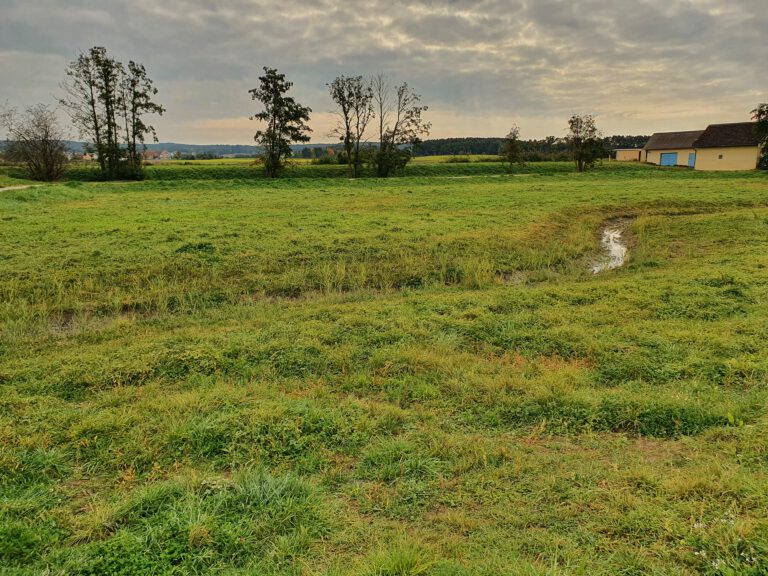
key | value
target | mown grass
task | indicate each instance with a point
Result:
(420, 375)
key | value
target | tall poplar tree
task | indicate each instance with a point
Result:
(108, 102)
(136, 92)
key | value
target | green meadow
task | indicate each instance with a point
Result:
(207, 372)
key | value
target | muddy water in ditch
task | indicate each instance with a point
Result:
(4, 188)
(614, 245)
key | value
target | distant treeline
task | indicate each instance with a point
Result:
(201, 151)
(212, 149)
(549, 148)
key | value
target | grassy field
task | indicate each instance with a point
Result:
(211, 373)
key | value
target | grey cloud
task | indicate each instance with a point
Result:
(515, 60)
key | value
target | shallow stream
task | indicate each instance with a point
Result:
(614, 247)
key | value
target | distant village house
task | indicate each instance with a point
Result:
(150, 155)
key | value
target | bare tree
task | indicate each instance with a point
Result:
(512, 150)
(36, 140)
(401, 126)
(584, 140)
(354, 98)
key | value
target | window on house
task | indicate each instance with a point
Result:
(719, 156)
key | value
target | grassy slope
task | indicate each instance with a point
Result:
(413, 376)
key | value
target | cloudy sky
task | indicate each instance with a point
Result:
(639, 65)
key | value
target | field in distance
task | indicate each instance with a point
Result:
(207, 372)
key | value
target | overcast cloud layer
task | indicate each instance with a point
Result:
(640, 65)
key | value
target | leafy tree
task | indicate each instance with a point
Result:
(285, 120)
(760, 114)
(354, 98)
(83, 103)
(621, 141)
(584, 141)
(108, 103)
(512, 149)
(136, 92)
(401, 126)
(36, 140)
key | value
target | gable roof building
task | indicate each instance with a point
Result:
(739, 134)
(720, 147)
(672, 148)
(728, 147)
(672, 140)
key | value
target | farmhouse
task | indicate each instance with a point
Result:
(672, 148)
(728, 147)
(719, 147)
(629, 154)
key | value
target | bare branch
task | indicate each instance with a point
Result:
(36, 140)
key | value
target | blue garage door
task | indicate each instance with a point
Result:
(691, 160)
(669, 159)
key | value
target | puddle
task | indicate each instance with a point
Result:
(24, 187)
(614, 245)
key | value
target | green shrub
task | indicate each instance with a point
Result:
(458, 160)
(121, 555)
(568, 415)
(392, 459)
(21, 544)
(400, 560)
(170, 529)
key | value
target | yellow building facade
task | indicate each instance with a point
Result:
(732, 158)
(683, 156)
(728, 147)
(629, 155)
